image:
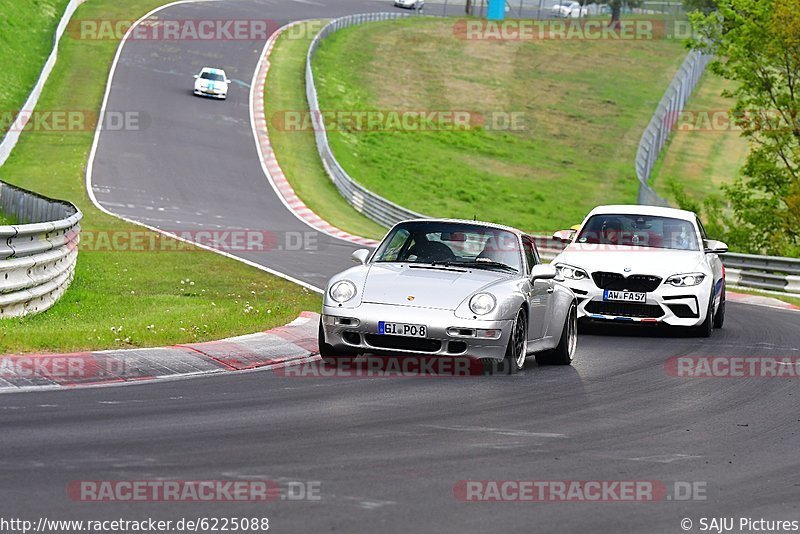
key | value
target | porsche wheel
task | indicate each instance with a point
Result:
(564, 352)
(517, 349)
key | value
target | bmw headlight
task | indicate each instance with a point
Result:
(568, 272)
(686, 280)
(342, 291)
(482, 303)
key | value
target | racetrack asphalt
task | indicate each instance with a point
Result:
(387, 452)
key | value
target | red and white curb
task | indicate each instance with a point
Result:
(269, 162)
(758, 300)
(290, 344)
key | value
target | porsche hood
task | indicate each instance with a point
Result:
(425, 286)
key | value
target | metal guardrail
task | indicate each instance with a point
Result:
(663, 120)
(749, 271)
(742, 270)
(12, 136)
(38, 255)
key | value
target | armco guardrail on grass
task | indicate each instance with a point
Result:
(663, 120)
(763, 272)
(375, 207)
(38, 255)
(743, 270)
(12, 136)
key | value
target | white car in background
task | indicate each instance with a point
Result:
(569, 9)
(212, 83)
(645, 264)
(409, 4)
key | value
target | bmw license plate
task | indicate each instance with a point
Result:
(402, 329)
(624, 296)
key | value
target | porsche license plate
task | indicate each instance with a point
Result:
(402, 329)
(624, 296)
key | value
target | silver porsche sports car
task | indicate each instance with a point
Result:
(450, 288)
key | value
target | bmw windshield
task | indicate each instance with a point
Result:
(639, 231)
(456, 244)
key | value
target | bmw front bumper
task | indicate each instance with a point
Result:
(210, 94)
(670, 305)
(356, 330)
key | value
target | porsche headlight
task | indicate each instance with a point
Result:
(342, 291)
(482, 303)
(686, 280)
(568, 272)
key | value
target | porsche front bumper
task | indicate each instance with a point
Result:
(356, 330)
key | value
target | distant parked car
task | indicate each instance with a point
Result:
(211, 82)
(409, 4)
(569, 9)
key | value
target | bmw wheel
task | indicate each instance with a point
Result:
(705, 328)
(719, 317)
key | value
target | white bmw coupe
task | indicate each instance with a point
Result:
(645, 264)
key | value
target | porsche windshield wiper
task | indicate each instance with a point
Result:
(479, 264)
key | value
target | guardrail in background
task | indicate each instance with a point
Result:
(663, 120)
(743, 270)
(37, 255)
(748, 271)
(375, 207)
(12, 136)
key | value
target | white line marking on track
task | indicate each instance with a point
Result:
(95, 142)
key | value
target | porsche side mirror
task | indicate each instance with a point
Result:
(360, 256)
(714, 247)
(543, 271)
(565, 236)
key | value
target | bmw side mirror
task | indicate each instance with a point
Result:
(714, 247)
(543, 271)
(360, 256)
(565, 236)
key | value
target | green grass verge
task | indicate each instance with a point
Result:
(584, 104)
(700, 156)
(296, 150)
(157, 298)
(26, 38)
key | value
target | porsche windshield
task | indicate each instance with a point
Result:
(451, 244)
(639, 230)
